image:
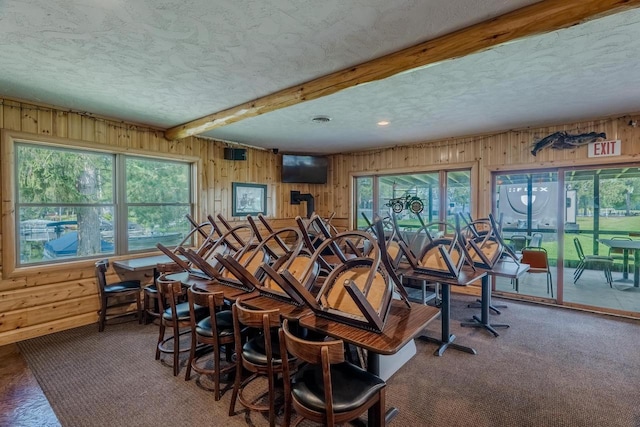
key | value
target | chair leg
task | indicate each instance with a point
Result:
(192, 356)
(216, 377)
(380, 407)
(236, 387)
(160, 338)
(103, 313)
(176, 350)
(139, 306)
(550, 283)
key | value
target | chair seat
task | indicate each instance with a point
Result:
(224, 320)
(254, 352)
(352, 387)
(122, 286)
(152, 289)
(183, 312)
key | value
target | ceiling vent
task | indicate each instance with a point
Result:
(321, 119)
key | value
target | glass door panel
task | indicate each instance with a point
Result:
(527, 205)
(607, 207)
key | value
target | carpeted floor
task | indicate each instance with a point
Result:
(553, 367)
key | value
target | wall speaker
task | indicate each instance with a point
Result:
(235, 153)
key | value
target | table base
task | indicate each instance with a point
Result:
(445, 345)
(477, 323)
(494, 308)
(625, 288)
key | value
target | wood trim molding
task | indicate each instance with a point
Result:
(538, 18)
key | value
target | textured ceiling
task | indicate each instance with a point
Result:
(163, 63)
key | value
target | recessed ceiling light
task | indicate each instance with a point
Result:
(321, 119)
(383, 123)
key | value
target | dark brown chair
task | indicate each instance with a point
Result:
(328, 389)
(215, 330)
(124, 293)
(175, 315)
(260, 355)
(151, 306)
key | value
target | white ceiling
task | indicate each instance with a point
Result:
(166, 62)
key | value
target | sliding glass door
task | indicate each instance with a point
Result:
(527, 206)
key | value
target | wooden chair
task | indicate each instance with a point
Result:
(260, 355)
(125, 293)
(538, 263)
(595, 262)
(176, 317)
(151, 307)
(215, 330)
(327, 389)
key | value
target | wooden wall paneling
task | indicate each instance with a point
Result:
(12, 115)
(74, 125)
(20, 334)
(60, 124)
(31, 297)
(13, 283)
(29, 122)
(31, 316)
(88, 128)
(45, 122)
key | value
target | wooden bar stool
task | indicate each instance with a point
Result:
(260, 355)
(151, 306)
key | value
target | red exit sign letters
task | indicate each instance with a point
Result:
(605, 148)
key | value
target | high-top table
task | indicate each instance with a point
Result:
(402, 325)
(508, 269)
(626, 246)
(465, 278)
(230, 293)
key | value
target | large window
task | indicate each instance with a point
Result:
(406, 196)
(73, 203)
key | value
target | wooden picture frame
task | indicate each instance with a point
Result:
(248, 199)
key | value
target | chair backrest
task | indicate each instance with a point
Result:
(536, 240)
(169, 291)
(311, 351)
(264, 321)
(536, 258)
(518, 242)
(101, 270)
(213, 300)
(579, 250)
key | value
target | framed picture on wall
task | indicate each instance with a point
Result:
(248, 199)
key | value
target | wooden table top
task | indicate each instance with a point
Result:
(287, 311)
(508, 269)
(212, 286)
(621, 244)
(144, 263)
(403, 324)
(466, 276)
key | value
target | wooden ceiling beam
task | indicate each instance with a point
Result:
(538, 18)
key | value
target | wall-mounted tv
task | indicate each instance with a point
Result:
(304, 169)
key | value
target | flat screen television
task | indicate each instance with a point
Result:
(304, 169)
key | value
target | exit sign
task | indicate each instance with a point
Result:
(605, 148)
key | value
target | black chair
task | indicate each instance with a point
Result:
(176, 317)
(215, 330)
(592, 262)
(518, 242)
(260, 355)
(125, 293)
(327, 389)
